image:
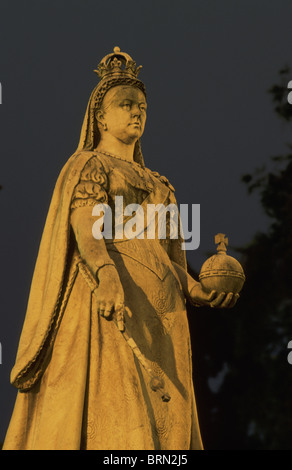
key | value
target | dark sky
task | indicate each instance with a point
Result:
(207, 66)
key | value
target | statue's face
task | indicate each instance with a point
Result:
(123, 113)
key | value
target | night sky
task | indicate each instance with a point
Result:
(207, 66)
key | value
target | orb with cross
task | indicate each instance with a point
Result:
(222, 272)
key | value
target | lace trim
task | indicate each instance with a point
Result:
(92, 185)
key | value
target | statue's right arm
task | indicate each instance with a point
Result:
(109, 293)
(91, 250)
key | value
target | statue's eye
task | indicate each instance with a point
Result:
(126, 106)
(142, 107)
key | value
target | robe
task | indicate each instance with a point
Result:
(81, 384)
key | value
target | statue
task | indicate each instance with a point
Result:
(104, 358)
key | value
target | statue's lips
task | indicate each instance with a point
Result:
(135, 124)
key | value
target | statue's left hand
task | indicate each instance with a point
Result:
(222, 300)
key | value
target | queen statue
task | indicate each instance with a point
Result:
(104, 358)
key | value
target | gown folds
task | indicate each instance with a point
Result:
(80, 384)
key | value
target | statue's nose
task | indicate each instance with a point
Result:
(136, 111)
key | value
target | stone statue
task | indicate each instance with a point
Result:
(104, 358)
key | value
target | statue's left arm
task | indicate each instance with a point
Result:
(196, 295)
(193, 289)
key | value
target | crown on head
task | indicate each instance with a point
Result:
(117, 64)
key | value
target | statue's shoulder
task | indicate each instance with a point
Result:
(84, 163)
(93, 165)
(161, 178)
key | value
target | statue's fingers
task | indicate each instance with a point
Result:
(228, 299)
(211, 296)
(101, 308)
(119, 306)
(128, 312)
(218, 300)
(108, 311)
(119, 311)
(233, 300)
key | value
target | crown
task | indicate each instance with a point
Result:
(117, 64)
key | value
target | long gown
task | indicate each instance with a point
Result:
(80, 384)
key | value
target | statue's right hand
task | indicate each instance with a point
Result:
(110, 295)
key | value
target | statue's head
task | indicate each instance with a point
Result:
(117, 104)
(122, 113)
